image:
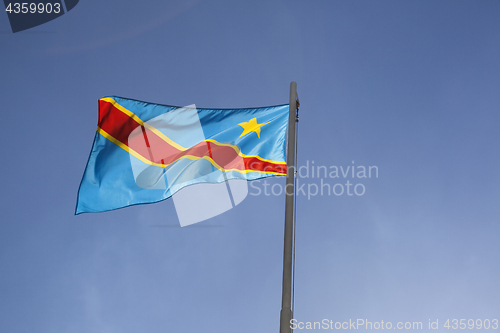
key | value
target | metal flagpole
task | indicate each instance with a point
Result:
(286, 314)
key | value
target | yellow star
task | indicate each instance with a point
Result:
(251, 126)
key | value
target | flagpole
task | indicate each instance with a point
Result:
(286, 314)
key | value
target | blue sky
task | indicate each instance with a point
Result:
(410, 87)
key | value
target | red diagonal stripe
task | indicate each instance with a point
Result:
(155, 149)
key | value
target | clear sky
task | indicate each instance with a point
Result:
(411, 87)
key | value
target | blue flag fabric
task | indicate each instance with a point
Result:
(144, 152)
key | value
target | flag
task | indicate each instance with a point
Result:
(144, 152)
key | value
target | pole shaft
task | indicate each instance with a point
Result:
(286, 301)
